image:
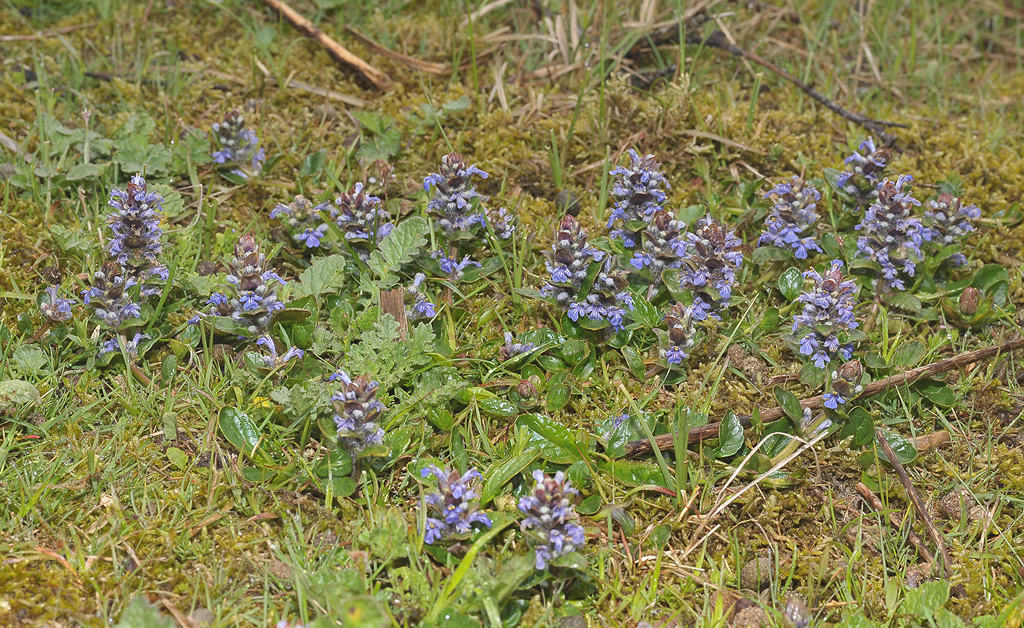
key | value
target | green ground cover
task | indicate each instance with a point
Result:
(187, 481)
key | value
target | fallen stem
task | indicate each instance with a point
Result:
(637, 448)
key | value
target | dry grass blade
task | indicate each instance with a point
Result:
(894, 519)
(417, 64)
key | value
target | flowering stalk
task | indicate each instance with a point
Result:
(239, 146)
(638, 193)
(454, 269)
(273, 360)
(892, 235)
(709, 268)
(454, 505)
(793, 215)
(109, 298)
(356, 411)
(362, 218)
(55, 308)
(452, 204)
(568, 262)
(131, 346)
(136, 242)
(303, 222)
(253, 299)
(419, 305)
(680, 337)
(827, 317)
(607, 300)
(551, 517)
(503, 222)
(949, 221)
(662, 246)
(865, 172)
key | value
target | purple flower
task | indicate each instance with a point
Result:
(109, 296)
(832, 400)
(864, 172)
(239, 146)
(513, 348)
(136, 242)
(273, 360)
(131, 346)
(303, 221)
(56, 308)
(252, 298)
(661, 241)
(827, 317)
(421, 305)
(454, 270)
(356, 413)
(452, 203)
(948, 222)
(680, 337)
(453, 507)
(362, 217)
(551, 518)
(503, 222)
(892, 234)
(792, 216)
(709, 268)
(638, 193)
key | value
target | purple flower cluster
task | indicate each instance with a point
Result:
(356, 412)
(827, 316)
(238, 145)
(608, 298)
(892, 234)
(512, 348)
(865, 172)
(136, 242)
(709, 268)
(253, 300)
(793, 215)
(273, 360)
(55, 307)
(303, 222)
(551, 517)
(680, 337)
(662, 247)
(947, 222)
(638, 193)
(452, 204)
(109, 296)
(450, 266)
(454, 505)
(420, 305)
(362, 218)
(130, 346)
(503, 222)
(845, 384)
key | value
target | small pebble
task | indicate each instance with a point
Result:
(756, 574)
(567, 203)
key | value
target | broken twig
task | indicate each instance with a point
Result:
(665, 442)
(894, 519)
(341, 54)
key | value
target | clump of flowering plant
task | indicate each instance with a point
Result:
(680, 337)
(362, 218)
(892, 234)
(568, 262)
(639, 194)
(551, 517)
(947, 221)
(793, 216)
(503, 222)
(845, 384)
(252, 299)
(827, 317)
(55, 308)
(303, 221)
(865, 170)
(452, 205)
(273, 359)
(131, 346)
(513, 347)
(239, 146)
(607, 299)
(454, 507)
(136, 243)
(419, 305)
(356, 411)
(709, 268)
(662, 246)
(450, 266)
(110, 298)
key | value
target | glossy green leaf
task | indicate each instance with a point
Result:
(496, 406)
(553, 431)
(239, 429)
(790, 404)
(634, 362)
(730, 436)
(500, 473)
(767, 254)
(910, 353)
(558, 396)
(573, 351)
(790, 283)
(937, 393)
(635, 472)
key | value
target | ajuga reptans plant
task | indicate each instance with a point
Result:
(638, 195)
(948, 221)
(136, 243)
(55, 308)
(362, 218)
(452, 205)
(709, 268)
(551, 517)
(892, 235)
(239, 146)
(356, 411)
(252, 297)
(791, 222)
(680, 337)
(454, 507)
(303, 222)
(662, 246)
(827, 317)
(865, 171)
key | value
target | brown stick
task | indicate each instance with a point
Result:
(664, 442)
(417, 64)
(915, 499)
(341, 54)
(894, 519)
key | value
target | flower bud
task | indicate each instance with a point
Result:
(526, 389)
(969, 300)
(851, 371)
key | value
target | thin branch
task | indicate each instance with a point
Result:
(637, 448)
(894, 519)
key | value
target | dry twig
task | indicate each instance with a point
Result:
(664, 442)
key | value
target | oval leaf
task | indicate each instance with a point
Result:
(239, 429)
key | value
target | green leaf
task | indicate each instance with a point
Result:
(910, 353)
(634, 362)
(337, 464)
(78, 172)
(860, 425)
(496, 406)
(790, 404)
(924, 601)
(399, 247)
(939, 394)
(500, 473)
(558, 396)
(177, 458)
(574, 351)
(904, 301)
(29, 360)
(988, 275)
(142, 614)
(552, 431)
(326, 275)
(790, 283)
(314, 163)
(15, 392)
(239, 429)
(136, 154)
(766, 254)
(771, 319)
(730, 436)
(645, 313)
(635, 472)
(811, 375)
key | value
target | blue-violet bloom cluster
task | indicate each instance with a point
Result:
(55, 307)
(865, 172)
(419, 305)
(451, 267)
(892, 234)
(452, 204)
(792, 217)
(356, 411)
(273, 360)
(947, 222)
(109, 296)
(363, 219)
(253, 299)
(503, 222)
(303, 222)
(551, 517)
(136, 243)
(638, 194)
(709, 268)
(680, 338)
(512, 347)
(845, 384)
(131, 346)
(662, 247)
(567, 262)
(239, 146)
(827, 317)
(454, 507)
